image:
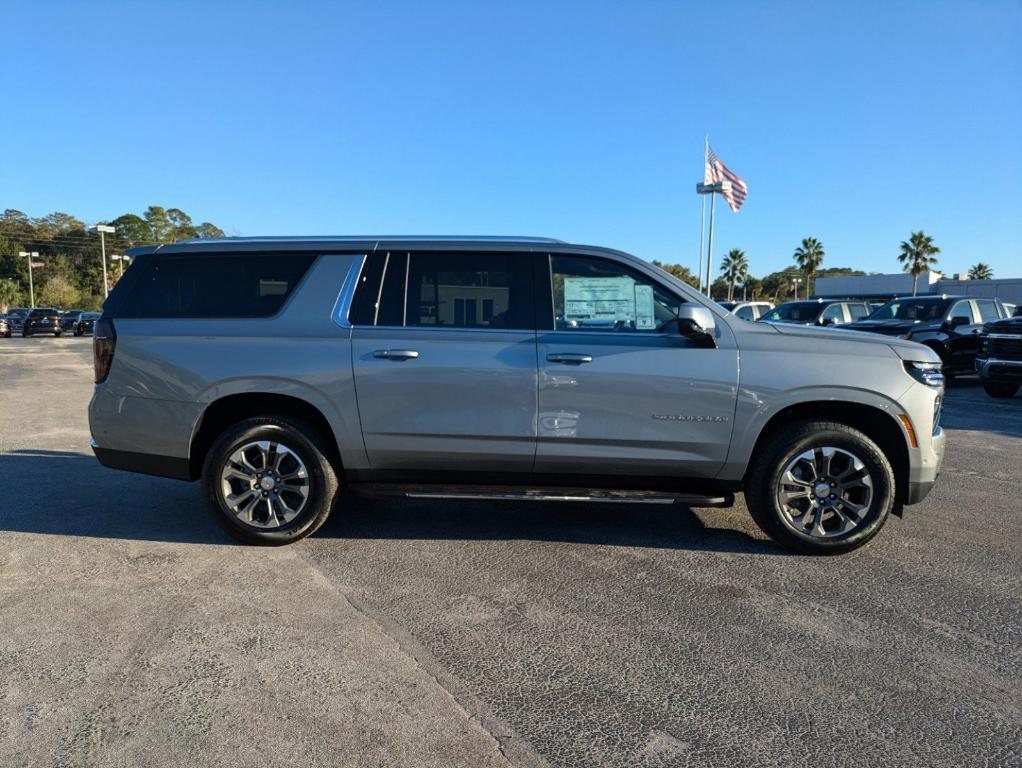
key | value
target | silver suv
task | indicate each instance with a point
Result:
(283, 372)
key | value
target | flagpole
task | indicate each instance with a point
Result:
(709, 250)
(702, 226)
(702, 212)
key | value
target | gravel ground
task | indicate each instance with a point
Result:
(132, 632)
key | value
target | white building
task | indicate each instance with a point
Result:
(900, 284)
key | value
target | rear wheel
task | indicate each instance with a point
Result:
(999, 389)
(269, 480)
(820, 487)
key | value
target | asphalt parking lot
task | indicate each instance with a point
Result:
(133, 632)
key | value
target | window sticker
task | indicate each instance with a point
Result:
(644, 307)
(608, 301)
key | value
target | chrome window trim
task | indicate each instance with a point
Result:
(342, 306)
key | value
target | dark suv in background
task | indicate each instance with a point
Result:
(817, 312)
(43, 320)
(70, 318)
(16, 318)
(949, 325)
(999, 361)
(86, 323)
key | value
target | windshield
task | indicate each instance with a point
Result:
(911, 309)
(795, 312)
(42, 312)
(90, 316)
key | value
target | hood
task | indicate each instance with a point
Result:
(1008, 325)
(906, 350)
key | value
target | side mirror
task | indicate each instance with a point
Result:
(958, 320)
(696, 323)
(826, 321)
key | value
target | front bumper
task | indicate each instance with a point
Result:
(996, 370)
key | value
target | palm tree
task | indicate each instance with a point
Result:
(918, 256)
(809, 256)
(734, 268)
(980, 271)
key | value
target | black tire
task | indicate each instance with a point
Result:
(1000, 389)
(782, 447)
(58, 334)
(298, 437)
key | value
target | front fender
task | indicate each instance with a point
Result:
(754, 411)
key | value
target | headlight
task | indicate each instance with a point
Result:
(930, 374)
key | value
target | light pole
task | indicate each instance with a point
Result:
(31, 285)
(103, 229)
(119, 257)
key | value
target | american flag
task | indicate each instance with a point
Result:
(716, 172)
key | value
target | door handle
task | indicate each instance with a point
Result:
(396, 354)
(569, 358)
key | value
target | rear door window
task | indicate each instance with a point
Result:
(987, 310)
(468, 290)
(210, 285)
(746, 312)
(858, 311)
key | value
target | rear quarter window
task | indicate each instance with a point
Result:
(208, 285)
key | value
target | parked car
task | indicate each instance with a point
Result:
(69, 318)
(949, 325)
(999, 360)
(86, 323)
(16, 317)
(747, 310)
(280, 371)
(5, 327)
(828, 312)
(42, 320)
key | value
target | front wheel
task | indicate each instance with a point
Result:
(820, 487)
(269, 480)
(1000, 389)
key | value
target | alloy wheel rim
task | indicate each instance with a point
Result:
(824, 493)
(264, 484)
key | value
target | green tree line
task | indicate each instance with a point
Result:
(917, 254)
(71, 275)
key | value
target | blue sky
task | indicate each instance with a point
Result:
(852, 122)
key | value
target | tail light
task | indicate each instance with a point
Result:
(104, 339)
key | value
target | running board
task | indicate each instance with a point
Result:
(576, 495)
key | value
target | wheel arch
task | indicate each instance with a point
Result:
(230, 409)
(877, 423)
